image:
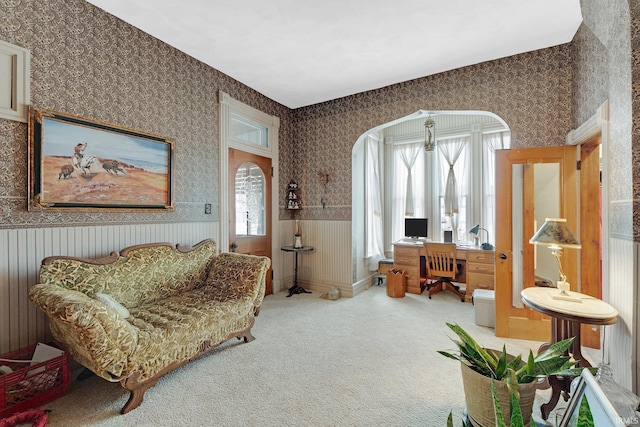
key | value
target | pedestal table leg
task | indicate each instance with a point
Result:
(295, 289)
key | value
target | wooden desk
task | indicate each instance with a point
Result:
(566, 317)
(477, 266)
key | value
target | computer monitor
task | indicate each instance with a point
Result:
(416, 227)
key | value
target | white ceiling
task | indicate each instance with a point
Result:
(302, 52)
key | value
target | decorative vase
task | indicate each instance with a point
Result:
(297, 232)
(477, 394)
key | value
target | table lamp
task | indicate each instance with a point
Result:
(556, 235)
(486, 245)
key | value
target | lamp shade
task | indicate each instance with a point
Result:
(555, 232)
(475, 229)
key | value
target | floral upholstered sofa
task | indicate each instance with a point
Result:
(133, 316)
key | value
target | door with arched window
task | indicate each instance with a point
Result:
(250, 205)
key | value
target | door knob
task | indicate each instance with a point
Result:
(503, 256)
(234, 245)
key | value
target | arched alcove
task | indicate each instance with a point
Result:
(406, 129)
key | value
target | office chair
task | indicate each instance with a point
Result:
(442, 267)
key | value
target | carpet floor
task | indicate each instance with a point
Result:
(364, 361)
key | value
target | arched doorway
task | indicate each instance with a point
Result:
(410, 130)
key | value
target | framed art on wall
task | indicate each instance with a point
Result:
(81, 164)
(602, 411)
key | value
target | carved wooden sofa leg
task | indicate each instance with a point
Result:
(137, 391)
(246, 336)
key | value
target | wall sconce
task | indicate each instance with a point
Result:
(555, 234)
(429, 134)
(486, 245)
(324, 178)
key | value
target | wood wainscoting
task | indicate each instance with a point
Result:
(22, 250)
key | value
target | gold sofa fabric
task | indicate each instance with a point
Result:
(181, 303)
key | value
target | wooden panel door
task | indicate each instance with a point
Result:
(520, 198)
(250, 206)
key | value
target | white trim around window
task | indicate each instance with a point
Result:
(15, 93)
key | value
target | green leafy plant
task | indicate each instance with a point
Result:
(495, 365)
(512, 370)
(515, 419)
(585, 418)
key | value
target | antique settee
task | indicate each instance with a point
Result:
(135, 315)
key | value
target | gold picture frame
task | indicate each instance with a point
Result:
(80, 164)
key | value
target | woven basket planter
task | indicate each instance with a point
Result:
(477, 394)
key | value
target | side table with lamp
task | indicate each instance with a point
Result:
(567, 309)
(297, 248)
(297, 289)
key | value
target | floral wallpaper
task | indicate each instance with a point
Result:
(531, 92)
(89, 63)
(603, 71)
(86, 62)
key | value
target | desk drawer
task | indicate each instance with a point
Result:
(482, 257)
(406, 260)
(479, 281)
(473, 267)
(405, 251)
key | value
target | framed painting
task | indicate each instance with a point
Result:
(81, 164)
(602, 411)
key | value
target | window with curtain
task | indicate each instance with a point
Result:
(413, 182)
(454, 185)
(409, 184)
(374, 245)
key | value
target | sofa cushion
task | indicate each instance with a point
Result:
(112, 304)
(174, 328)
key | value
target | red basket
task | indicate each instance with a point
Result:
(30, 386)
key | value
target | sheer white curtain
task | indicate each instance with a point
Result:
(373, 199)
(409, 183)
(409, 155)
(451, 150)
(490, 143)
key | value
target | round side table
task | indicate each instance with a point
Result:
(297, 289)
(567, 314)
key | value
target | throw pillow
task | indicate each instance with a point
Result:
(113, 304)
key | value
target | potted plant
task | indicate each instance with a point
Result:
(480, 366)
